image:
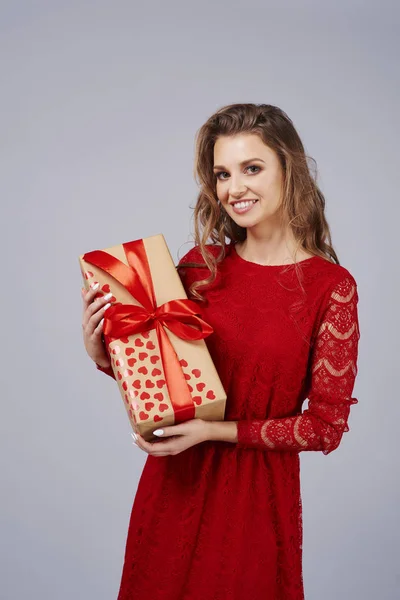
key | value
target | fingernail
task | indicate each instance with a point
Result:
(134, 436)
(101, 322)
(106, 306)
(158, 432)
(94, 285)
(108, 296)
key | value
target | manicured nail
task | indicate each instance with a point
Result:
(158, 432)
(106, 306)
(107, 297)
(94, 285)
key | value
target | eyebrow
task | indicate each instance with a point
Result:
(244, 162)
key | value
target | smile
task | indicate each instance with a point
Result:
(243, 206)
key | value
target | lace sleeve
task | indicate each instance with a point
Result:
(333, 373)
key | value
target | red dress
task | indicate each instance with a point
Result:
(222, 521)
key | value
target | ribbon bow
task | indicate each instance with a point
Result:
(182, 317)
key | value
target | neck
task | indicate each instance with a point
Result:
(277, 246)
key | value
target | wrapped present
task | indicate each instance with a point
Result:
(154, 336)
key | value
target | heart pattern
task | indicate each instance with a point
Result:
(147, 398)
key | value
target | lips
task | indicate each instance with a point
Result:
(254, 200)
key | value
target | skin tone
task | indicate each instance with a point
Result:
(269, 242)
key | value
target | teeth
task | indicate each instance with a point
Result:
(244, 204)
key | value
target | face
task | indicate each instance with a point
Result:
(249, 179)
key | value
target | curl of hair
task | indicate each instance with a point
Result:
(303, 204)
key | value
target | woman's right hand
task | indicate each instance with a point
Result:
(92, 325)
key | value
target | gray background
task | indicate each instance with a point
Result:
(100, 104)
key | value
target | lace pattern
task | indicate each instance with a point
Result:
(333, 372)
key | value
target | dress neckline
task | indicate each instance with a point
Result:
(250, 262)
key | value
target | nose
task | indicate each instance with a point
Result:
(236, 187)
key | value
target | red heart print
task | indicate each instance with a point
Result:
(126, 398)
(200, 386)
(143, 370)
(119, 362)
(197, 400)
(113, 299)
(196, 372)
(187, 376)
(149, 383)
(144, 396)
(146, 335)
(116, 350)
(134, 418)
(137, 384)
(149, 405)
(129, 351)
(163, 407)
(124, 385)
(190, 388)
(119, 375)
(138, 343)
(130, 412)
(98, 295)
(157, 418)
(156, 372)
(133, 393)
(210, 395)
(143, 416)
(88, 274)
(160, 383)
(124, 340)
(150, 346)
(143, 355)
(159, 396)
(128, 373)
(154, 359)
(106, 288)
(183, 363)
(131, 361)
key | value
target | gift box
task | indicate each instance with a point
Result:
(154, 336)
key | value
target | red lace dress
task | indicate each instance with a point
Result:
(223, 521)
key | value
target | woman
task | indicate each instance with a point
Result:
(217, 513)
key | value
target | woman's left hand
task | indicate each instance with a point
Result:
(178, 438)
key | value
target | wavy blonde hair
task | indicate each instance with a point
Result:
(303, 203)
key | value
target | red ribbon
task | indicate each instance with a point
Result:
(182, 317)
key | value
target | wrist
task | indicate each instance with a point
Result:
(221, 431)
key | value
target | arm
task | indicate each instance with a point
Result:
(333, 373)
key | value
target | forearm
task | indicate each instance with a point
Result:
(222, 431)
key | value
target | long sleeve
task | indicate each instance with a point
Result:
(332, 377)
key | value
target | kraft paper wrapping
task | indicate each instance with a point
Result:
(136, 359)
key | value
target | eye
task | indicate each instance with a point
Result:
(217, 175)
(253, 167)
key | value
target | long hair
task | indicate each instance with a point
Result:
(303, 203)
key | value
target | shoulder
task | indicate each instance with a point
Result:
(195, 256)
(331, 275)
(338, 292)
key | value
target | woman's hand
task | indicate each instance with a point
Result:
(180, 438)
(92, 325)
